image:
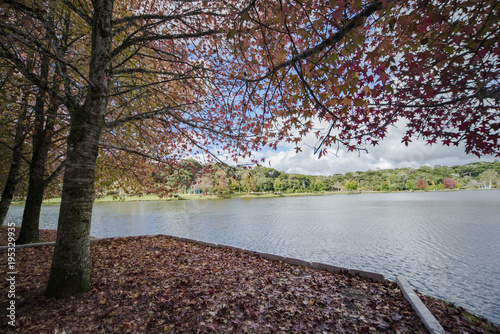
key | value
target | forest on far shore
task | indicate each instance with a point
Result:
(193, 177)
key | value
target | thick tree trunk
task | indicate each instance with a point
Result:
(15, 166)
(70, 264)
(69, 273)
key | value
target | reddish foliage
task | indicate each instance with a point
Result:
(449, 183)
(158, 284)
(421, 184)
(361, 68)
(168, 81)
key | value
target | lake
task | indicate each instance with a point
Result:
(447, 244)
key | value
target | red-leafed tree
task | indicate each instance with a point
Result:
(159, 79)
(449, 183)
(137, 78)
(360, 66)
(14, 127)
(41, 117)
(421, 184)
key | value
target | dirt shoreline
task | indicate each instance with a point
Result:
(159, 284)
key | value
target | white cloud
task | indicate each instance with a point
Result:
(390, 153)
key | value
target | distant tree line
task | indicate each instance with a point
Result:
(191, 175)
(218, 179)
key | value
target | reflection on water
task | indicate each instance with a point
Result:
(445, 244)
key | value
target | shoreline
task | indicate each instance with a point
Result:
(189, 197)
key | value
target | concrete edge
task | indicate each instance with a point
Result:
(38, 244)
(297, 262)
(28, 245)
(376, 277)
(430, 322)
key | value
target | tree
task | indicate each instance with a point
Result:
(351, 185)
(264, 177)
(15, 145)
(221, 182)
(449, 183)
(45, 127)
(294, 185)
(120, 55)
(253, 67)
(360, 66)
(248, 182)
(473, 184)
(318, 185)
(488, 178)
(36, 122)
(421, 184)
(205, 183)
(263, 183)
(278, 185)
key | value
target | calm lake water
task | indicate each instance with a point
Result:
(447, 244)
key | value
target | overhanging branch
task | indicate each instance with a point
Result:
(129, 150)
(332, 40)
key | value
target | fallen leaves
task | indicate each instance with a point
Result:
(161, 285)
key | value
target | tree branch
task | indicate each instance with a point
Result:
(333, 39)
(491, 93)
(129, 150)
(54, 174)
(79, 12)
(164, 18)
(21, 67)
(158, 37)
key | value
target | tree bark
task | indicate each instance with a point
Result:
(37, 182)
(15, 166)
(70, 273)
(41, 143)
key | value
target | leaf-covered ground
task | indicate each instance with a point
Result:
(161, 285)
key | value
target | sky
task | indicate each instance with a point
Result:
(390, 153)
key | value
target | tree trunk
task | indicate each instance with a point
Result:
(10, 185)
(29, 228)
(15, 166)
(69, 273)
(41, 144)
(37, 184)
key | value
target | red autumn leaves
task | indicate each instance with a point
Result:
(160, 285)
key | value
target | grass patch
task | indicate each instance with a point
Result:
(135, 198)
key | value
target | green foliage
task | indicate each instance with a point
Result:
(351, 185)
(267, 180)
(318, 185)
(278, 186)
(248, 181)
